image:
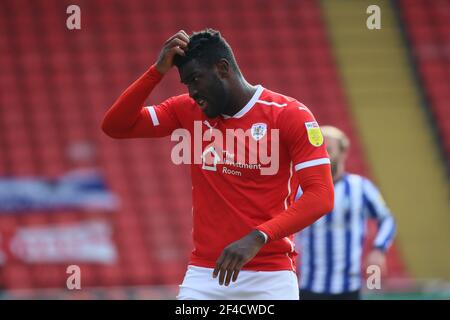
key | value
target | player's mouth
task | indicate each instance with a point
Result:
(202, 103)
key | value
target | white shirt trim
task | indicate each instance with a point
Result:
(290, 243)
(271, 103)
(249, 104)
(288, 186)
(152, 112)
(311, 163)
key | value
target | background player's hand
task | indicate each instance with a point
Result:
(236, 255)
(378, 258)
(176, 44)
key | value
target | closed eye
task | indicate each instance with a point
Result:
(194, 79)
(190, 81)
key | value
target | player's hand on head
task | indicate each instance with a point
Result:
(236, 255)
(176, 44)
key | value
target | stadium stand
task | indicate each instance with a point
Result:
(428, 29)
(57, 83)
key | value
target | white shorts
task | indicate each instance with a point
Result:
(198, 284)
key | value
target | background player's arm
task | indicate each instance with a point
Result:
(128, 118)
(378, 210)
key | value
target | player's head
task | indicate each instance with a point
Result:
(337, 147)
(207, 69)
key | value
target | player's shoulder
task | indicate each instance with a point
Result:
(282, 105)
(277, 100)
(183, 99)
(355, 178)
(274, 98)
(183, 104)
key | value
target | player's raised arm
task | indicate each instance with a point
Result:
(128, 117)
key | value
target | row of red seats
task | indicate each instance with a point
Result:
(428, 28)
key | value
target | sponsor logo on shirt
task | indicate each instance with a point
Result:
(257, 148)
(210, 158)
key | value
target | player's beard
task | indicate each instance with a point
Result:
(217, 100)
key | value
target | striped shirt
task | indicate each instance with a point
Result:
(332, 247)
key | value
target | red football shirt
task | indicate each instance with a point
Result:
(234, 187)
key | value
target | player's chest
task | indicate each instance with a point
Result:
(237, 149)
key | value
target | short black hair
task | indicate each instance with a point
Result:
(207, 47)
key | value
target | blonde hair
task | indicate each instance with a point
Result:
(335, 133)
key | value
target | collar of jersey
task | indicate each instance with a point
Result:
(249, 105)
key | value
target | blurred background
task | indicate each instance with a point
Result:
(121, 211)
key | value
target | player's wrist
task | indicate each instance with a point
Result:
(379, 249)
(161, 68)
(155, 71)
(262, 236)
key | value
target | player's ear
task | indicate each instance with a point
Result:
(223, 68)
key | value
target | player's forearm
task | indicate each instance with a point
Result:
(124, 113)
(385, 234)
(317, 200)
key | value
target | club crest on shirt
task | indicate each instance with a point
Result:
(314, 134)
(258, 130)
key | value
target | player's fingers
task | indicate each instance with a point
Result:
(235, 275)
(183, 36)
(170, 39)
(179, 51)
(180, 37)
(230, 270)
(237, 268)
(176, 42)
(219, 264)
(223, 269)
(184, 32)
(175, 36)
(222, 273)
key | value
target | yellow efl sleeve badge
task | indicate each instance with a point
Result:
(314, 134)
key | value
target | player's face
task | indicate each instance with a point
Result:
(206, 87)
(337, 156)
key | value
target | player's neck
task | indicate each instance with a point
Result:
(244, 91)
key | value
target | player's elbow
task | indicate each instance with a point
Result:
(111, 130)
(328, 199)
(106, 128)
